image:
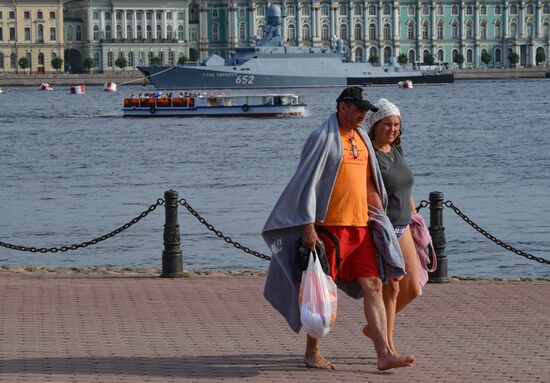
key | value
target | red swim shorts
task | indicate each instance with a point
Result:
(357, 252)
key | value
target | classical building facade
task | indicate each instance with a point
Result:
(139, 31)
(389, 28)
(31, 30)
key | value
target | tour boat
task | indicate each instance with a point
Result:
(45, 86)
(110, 87)
(190, 104)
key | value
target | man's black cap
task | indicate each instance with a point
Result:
(357, 97)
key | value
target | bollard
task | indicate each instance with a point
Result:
(171, 255)
(437, 231)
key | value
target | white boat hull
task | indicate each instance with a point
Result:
(217, 111)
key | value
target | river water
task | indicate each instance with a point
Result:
(72, 169)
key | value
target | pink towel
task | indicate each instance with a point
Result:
(422, 242)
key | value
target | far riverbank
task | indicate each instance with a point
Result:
(136, 77)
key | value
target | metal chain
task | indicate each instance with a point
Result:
(423, 204)
(492, 237)
(143, 214)
(218, 233)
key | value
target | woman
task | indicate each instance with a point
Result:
(385, 133)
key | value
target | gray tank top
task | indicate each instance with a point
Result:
(398, 180)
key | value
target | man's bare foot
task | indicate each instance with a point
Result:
(316, 360)
(394, 361)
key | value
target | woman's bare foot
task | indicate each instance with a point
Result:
(394, 361)
(316, 360)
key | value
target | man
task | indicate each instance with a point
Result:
(336, 179)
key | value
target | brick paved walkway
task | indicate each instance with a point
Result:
(71, 328)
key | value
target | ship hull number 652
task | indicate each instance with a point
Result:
(244, 79)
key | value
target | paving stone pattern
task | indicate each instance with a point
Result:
(71, 328)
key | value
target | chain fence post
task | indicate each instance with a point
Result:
(171, 255)
(437, 231)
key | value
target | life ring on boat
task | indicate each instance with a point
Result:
(153, 110)
(245, 107)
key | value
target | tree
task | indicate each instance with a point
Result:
(155, 61)
(458, 59)
(121, 62)
(23, 63)
(88, 64)
(540, 57)
(373, 59)
(402, 59)
(486, 58)
(182, 60)
(429, 59)
(57, 63)
(513, 58)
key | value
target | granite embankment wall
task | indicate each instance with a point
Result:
(137, 78)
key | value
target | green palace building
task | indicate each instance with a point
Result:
(387, 28)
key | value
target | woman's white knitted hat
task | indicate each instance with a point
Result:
(385, 109)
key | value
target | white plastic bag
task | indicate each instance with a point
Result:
(317, 299)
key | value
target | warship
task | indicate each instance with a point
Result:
(272, 64)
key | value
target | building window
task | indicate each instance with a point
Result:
(41, 59)
(260, 11)
(1, 33)
(169, 32)
(358, 32)
(425, 10)
(53, 34)
(168, 15)
(148, 16)
(426, 30)
(324, 32)
(469, 30)
(372, 31)
(483, 31)
(27, 34)
(119, 31)
(325, 10)
(13, 61)
(150, 57)
(513, 30)
(291, 10)
(412, 56)
(39, 15)
(411, 31)
(1, 61)
(306, 32)
(513, 10)
(498, 55)
(440, 30)
(291, 35)
(215, 13)
(110, 59)
(181, 33)
(52, 15)
(497, 30)
(40, 33)
(497, 9)
(95, 15)
(159, 32)
(454, 30)
(129, 32)
(469, 10)
(242, 13)
(26, 15)
(372, 10)
(469, 56)
(387, 9)
(440, 10)
(11, 15)
(78, 33)
(546, 30)
(180, 15)
(530, 30)
(108, 32)
(454, 10)
(171, 58)
(306, 10)
(358, 54)
(242, 31)
(483, 10)
(440, 56)
(215, 31)
(546, 9)
(96, 33)
(158, 15)
(149, 31)
(343, 31)
(387, 32)
(12, 34)
(139, 32)
(131, 61)
(343, 10)
(358, 11)
(411, 10)
(529, 9)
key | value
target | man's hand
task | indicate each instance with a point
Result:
(309, 236)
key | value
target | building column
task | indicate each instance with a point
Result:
(125, 25)
(395, 8)
(521, 26)
(135, 24)
(538, 18)
(164, 24)
(476, 22)
(333, 30)
(101, 25)
(299, 7)
(462, 23)
(380, 33)
(251, 23)
(366, 23)
(433, 26)
(203, 31)
(506, 28)
(317, 25)
(186, 26)
(154, 24)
